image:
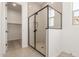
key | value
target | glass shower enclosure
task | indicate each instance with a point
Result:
(42, 20)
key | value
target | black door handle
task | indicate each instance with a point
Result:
(35, 30)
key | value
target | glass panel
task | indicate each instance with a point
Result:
(41, 24)
(54, 19)
(31, 31)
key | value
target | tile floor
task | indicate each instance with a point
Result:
(15, 50)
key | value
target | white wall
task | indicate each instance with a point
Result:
(3, 28)
(54, 42)
(0, 29)
(24, 25)
(70, 32)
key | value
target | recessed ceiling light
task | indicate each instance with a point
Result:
(14, 4)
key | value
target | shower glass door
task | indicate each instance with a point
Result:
(41, 24)
(31, 31)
